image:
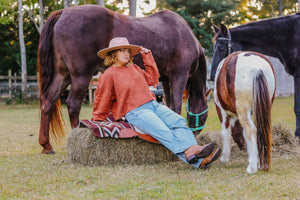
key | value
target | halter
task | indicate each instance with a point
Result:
(229, 45)
(197, 127)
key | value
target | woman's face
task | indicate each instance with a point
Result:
(123, 56)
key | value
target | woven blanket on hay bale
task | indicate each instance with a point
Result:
(111, 143)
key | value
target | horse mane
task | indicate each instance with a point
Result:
(278, 24)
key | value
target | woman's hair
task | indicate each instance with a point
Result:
(111, 58)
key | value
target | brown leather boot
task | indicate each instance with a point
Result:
(194, 152)
(211, 158)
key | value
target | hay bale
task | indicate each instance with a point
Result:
(216, 137)
(86, 149)
(284, 142)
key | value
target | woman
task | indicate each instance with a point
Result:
(124, 90)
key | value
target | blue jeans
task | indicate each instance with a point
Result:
(163, 124)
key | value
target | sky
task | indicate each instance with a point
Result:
(139, 4)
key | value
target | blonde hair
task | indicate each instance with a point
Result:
(111, 58)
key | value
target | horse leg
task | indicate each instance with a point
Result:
(48, 102)
(226, 136)
(75, 98)
(166, 87)
(250, 136)
(177, 86)
(237, 135)
(297, 103)
(44, 129)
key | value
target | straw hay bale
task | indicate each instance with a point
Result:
(86, 149)
(284, 142)
(216, 137)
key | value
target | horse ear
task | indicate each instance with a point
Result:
(208, 93)
(223, 29)
(216, 29)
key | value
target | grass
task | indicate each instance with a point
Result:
(27, 174)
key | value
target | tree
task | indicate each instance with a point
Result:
(23, 53)
(38, 21)
(101, 3)
(272, 8)
(132, 7)
(9, 45)
(201, 14)
(41, 4)
(67, 3)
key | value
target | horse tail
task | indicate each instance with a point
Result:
(262, 118)
(45, 67)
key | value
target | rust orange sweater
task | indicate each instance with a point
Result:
(124, 88)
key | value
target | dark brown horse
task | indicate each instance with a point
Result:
(278, 37)
(67, 51)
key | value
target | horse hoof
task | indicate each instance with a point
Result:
(51, 152)
(251, 170)
(298, 141)
(297, 132)
(223, 159)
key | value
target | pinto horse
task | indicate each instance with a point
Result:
(277, 37)
(67, 51)
(245, 85)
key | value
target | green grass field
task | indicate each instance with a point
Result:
(27, 174)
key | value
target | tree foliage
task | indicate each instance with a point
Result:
(272, 8)
(10, 56)
(201, 14)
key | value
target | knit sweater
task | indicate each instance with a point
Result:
(124, 88)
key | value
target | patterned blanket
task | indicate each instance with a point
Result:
(115, 129)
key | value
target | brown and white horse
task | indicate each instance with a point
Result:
(245, 86)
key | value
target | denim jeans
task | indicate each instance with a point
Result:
(163, 124)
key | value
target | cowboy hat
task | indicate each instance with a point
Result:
(119, 43)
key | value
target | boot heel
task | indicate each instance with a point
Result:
(192, 159)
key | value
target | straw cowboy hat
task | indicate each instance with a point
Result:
(119, 43)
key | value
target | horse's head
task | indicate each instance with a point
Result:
(222, 48)
(197, 113)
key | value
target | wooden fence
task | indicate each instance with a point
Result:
(11, 82)
(285, 83)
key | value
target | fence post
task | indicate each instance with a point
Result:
(90, 95)
(15, 83)
(9, 83)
